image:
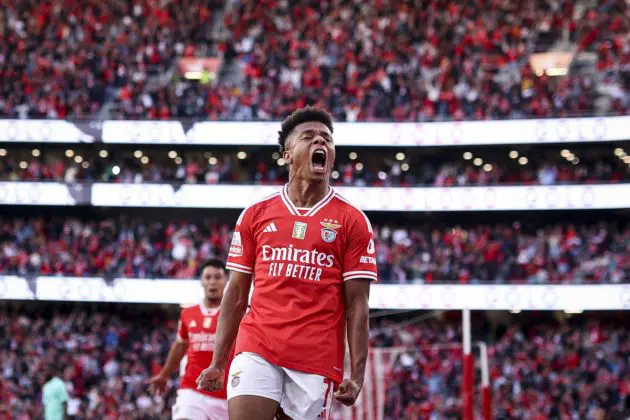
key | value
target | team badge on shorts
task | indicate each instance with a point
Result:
(329, 230)
(236, 379)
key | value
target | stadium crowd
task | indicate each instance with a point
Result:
(422, 60)
(104, 359)
(256, 169)
(546, 371)
(572, 370)
(384, 59)
(67, 58)
(126, 247)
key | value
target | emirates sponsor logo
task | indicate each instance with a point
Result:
(202, 341)
(297, 255)
(296, 263)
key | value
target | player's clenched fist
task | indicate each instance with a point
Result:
(347, 392)
(211, 379)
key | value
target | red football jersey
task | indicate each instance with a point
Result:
(300, 259)
(198, 326)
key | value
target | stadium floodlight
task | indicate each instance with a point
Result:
(193, 75)
(400, 156)
(3, 152)
(523, 160)
(103, 153)
(137, 154)
(478, 162)
(212, 161)
(404, 167)
(353, 155)
(556, 71)
(619, 151)
(36, 153)
(467, 155)
(573, 311)
(513, 154)
(564, 153)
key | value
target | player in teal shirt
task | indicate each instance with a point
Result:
(55, 397)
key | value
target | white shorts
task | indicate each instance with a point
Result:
(193, 405)
(302, 396)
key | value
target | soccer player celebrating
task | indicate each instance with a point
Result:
(196, 338)
(311, 255)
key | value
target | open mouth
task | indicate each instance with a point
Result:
(319, 160)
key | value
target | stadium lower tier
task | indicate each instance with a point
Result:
(471, 253)
(542, 366)
(360, 167)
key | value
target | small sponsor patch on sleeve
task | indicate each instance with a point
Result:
(236, 248)
(367, 260)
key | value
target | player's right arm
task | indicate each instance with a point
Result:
(233, 307)
(240, 262)
(175, 355)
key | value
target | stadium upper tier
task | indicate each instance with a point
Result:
(577, 368)
(365, 61)
(491, 254)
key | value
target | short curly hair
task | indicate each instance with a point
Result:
(212, 262)
(299, 116)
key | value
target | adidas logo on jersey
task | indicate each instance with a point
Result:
(192, 324)
(271, 227)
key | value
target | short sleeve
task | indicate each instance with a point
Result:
(359, 260)
(182, 330)
(242, 254)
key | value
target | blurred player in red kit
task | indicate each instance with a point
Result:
(196, 332)
(311, 256)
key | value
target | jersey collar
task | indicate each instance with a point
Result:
(284, 194)
(205, 311)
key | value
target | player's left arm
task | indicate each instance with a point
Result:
(359, 270)
(356, 297)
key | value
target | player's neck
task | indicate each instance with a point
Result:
(306, 194)
(212, 303)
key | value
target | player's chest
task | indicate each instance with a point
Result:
(201, 328)
(324, 234)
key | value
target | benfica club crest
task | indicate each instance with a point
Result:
(329, 230)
